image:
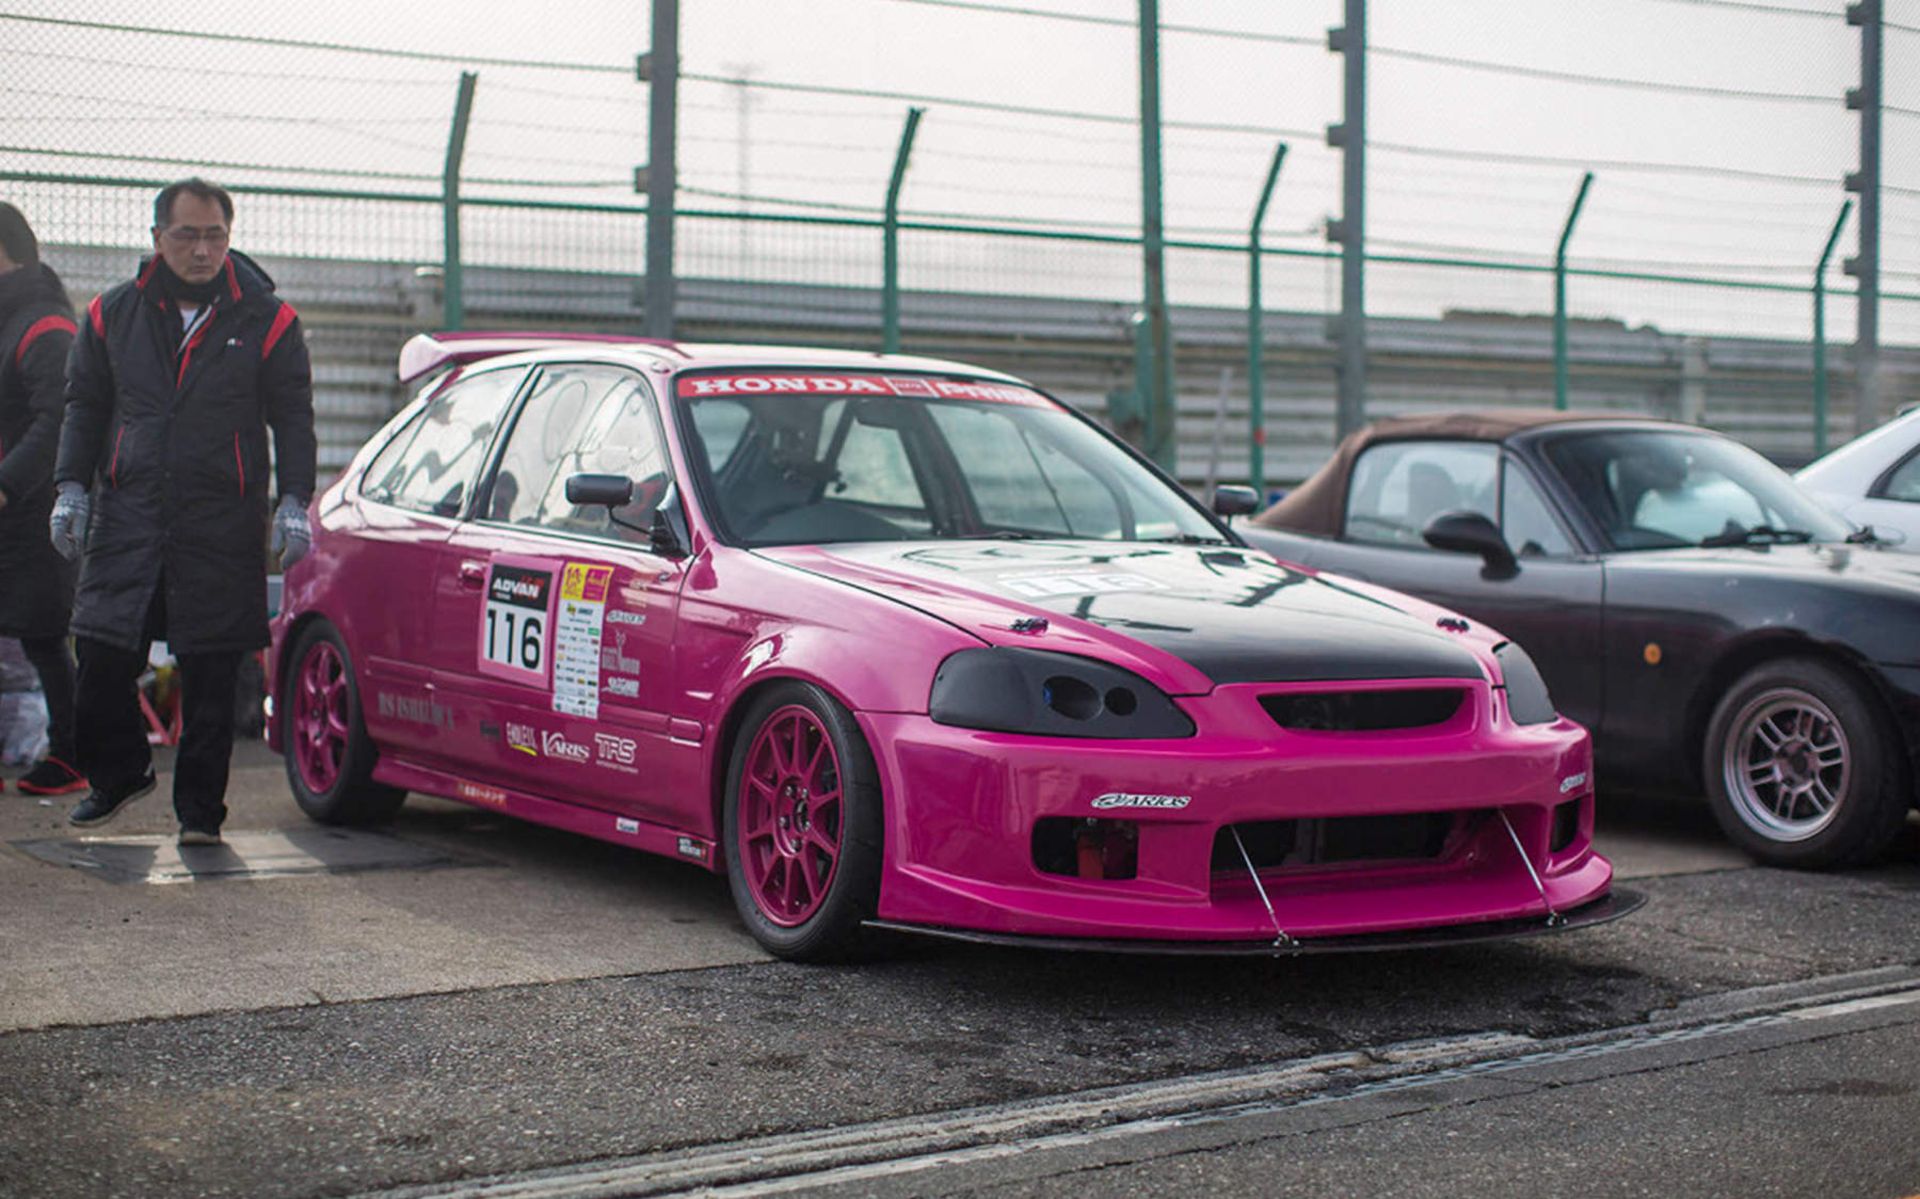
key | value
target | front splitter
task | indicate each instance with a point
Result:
(1615, 904)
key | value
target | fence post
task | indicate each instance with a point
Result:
(453, 305)
(1256, 336)
(1820, 335)
(1560, 296)
(890, 282)
(1162, 412)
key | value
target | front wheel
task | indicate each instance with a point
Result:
(802, 825)
(329, 755)
(1801, 769)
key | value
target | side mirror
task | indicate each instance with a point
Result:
(599, 491)
(1471, 533)
(1233, 500)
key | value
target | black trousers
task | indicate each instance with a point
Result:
(112, 736)
(54, 664)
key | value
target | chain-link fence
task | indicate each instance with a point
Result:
(1691, 282)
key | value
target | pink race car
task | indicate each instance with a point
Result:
(897, 643)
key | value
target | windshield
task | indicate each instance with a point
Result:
(923, 459)
(1657, 489)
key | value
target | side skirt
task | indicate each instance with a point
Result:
(573, 818)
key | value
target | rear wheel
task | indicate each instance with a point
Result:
(803, 825)
(1801, 767)
(329, 755)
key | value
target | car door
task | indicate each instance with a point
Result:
(1550, 601)
(556, 622)
(412, 496)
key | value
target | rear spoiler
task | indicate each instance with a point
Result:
(425, 353)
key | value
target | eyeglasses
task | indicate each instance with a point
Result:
(184, 235)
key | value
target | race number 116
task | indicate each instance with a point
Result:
(514, 631)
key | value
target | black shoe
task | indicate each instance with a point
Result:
(198, 836)
(101, 806)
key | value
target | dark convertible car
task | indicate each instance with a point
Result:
(1712, 625)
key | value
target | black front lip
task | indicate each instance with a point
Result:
(1617, 903)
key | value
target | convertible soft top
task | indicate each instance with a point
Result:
(1319, 504)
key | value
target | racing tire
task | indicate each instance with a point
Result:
(802, 826)
(328, 754)
(1802, 767)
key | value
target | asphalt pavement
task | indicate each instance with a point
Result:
(514, 1005)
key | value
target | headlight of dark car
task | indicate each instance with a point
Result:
(1050, 695)
(1527, 698)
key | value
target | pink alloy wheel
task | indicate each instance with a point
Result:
(320, 717)
(790, 816)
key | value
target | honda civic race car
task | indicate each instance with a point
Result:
(896, 643)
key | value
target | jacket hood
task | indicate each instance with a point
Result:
(1187, 617)
(33, 286)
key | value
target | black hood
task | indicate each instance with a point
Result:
(33, 286)
(1235, 615)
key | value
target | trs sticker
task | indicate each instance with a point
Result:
(576, 653)
(1571, 781)
(624, 824)
(1080, 583)
(689, 848)
(480, 793)
(516, 623)
(616, 752)
(1124, 799)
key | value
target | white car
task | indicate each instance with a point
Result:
(1875, 480)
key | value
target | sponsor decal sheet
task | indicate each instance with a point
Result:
(578, 623)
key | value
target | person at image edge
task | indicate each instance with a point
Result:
(36, 331)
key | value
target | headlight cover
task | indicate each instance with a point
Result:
(1527, 698)
(1050, 695)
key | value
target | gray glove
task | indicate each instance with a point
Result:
(72, 509)
(292, 535)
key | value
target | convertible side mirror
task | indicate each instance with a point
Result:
(1471, 533)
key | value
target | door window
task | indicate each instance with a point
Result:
(1525, 520)
(1904, 483)
(1398, 487)
(435, 470)
(581, 420)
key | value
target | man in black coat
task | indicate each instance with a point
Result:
(174, 380)
(36, 331)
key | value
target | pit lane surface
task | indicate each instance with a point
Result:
(537, 1001)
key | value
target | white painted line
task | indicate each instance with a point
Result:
(1828, 1011)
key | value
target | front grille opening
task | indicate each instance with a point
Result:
(1566, 826)
(1334, 840)
(1079, 847)
(1363, 711)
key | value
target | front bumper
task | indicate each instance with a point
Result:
(964, 806)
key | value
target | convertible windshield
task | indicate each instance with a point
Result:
(1656, 489)
(938, 460)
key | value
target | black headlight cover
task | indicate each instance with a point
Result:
(1016, 690)
(1527, 698)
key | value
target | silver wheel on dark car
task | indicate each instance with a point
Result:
(1786, 765)
(1803, 767)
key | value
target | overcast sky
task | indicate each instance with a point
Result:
(1688, 181)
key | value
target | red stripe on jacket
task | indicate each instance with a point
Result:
(238, 464)
(233, 280)
(282, 320)
(113, 468)
(45, 324)
(98, 318)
